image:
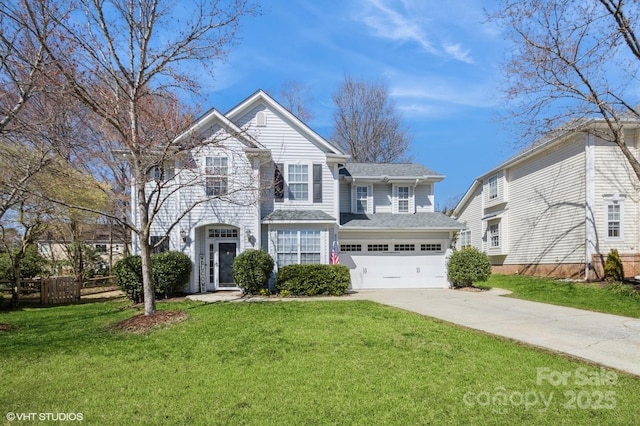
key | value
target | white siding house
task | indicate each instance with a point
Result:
(557, 208)
(263, 179)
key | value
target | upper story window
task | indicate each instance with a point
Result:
(362, 196)
(217, 174)
(298, 182)
(403, 199)
(101, 248)
(493, 187)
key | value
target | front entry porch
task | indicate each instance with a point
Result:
(219, 249)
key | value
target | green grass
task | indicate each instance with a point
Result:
(615, 299)
(342, 362)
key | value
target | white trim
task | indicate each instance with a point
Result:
(590, 202)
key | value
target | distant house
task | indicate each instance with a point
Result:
(111, 242)
(279, 186)
(557, 208)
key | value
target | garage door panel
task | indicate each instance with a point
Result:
(396, 270)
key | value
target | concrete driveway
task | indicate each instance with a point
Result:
(610, 340)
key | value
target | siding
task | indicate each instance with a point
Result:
(424, 198)
(546, 212)
(382, 198)
(471, 217)
(290, 146)
(613, 175)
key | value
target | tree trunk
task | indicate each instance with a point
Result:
(148, 290)
(15, 290)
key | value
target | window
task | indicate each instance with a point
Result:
(465, 238)
(403, 199)
(216, 169)
(164, 246)
(378, 247)
(361, 199)
(494, 235)
(298, 182)
(431, 247)
(493, 187)
(297, 247)
(614, 216)
(101, 248)
(223, 233)
(404, 247)
(154, 173)
(350, 247)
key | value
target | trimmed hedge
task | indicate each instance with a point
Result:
(467, 266)
(313, 280)
(251, 270)
(170, 271)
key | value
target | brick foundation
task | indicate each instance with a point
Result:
(554, 270)
(630, 262)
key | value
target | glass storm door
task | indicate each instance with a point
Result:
(226, 255)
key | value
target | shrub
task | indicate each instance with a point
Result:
(251, 270)
(128, 272)
(313, 280)
(170, 272)
(613, 269)
(468, 266)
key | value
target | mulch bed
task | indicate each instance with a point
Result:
(141, 323)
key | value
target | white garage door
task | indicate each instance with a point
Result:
(396, 270)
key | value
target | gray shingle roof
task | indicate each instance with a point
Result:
(298, 215)
(387, 169)
(399, 221)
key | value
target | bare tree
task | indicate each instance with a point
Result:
(295, 97)
(367, 124)
(25, 70)
(574, 66)
(129, 55)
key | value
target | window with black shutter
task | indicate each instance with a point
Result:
(278, 183)
(317, 183)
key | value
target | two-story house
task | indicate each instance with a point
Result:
(558, 207)
(275, 184)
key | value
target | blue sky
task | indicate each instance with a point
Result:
(439, 59)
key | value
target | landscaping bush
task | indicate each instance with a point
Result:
(251, 271)
(613, 269)
(468, 266)
(128, 272)
(170, 272)
(313, 280)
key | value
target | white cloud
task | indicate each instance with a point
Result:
(409, 22)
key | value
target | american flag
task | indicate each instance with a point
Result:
(335, 258)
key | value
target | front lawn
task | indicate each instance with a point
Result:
(597, 297)
(342, 362)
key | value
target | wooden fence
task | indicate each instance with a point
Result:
(59, 290)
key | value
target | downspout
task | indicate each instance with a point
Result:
(590, 230)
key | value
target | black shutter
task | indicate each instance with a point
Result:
(317, 183)
(278, 183)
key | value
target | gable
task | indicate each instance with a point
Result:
(278, 129)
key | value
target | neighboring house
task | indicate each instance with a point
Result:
(281, 187)
(557, 208)
(110, 242)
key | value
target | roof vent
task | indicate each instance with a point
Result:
(261, 119)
